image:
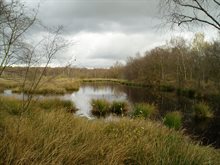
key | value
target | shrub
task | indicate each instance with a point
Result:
(100, 107)
(144, 110)
(173, 120)
(119, 107)
(202, 110)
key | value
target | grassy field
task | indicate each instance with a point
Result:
(47, 86)
(50, 135)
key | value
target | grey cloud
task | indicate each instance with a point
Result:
(99, 15)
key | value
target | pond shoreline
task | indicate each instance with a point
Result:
(164, 101)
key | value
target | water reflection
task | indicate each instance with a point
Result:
(86, 93)
(206, 130)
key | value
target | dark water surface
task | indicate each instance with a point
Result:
(207, 131)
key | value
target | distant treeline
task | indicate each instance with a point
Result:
(179, 63)
(113, 72)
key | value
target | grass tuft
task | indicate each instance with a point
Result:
(51, 104)
(119, 107)
(173, 120)
(202, 110)
(144, 110)
(100, 107)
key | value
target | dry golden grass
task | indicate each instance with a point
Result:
(53, 86)
(7, 84)
(57, 137)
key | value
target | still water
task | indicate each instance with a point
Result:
(207, 131)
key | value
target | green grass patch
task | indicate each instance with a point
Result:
(173, 120)
(100, 107)
(119, 107)
(144, 110)
(202, 110)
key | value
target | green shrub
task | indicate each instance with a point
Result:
(119, 107)
(173, 120)
(202, 110)
(100, 107)
(144, 110)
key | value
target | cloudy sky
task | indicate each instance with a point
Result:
(104, 31)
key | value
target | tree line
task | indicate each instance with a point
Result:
(182, 63)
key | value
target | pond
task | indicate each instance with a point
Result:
(207, 131)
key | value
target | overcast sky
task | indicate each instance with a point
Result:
(105, 31)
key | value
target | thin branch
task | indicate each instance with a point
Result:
(218, 3)
(209, 15)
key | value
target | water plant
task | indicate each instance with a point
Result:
(173, 120)
(202, 110)
(100, 107)
(119, 107)
(144, 110)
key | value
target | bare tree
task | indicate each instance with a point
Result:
(15, 20)
(184, 12)
(40, 55)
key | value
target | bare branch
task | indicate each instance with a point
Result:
(183, 12)
(218, 3)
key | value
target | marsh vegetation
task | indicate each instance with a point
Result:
(161, 106)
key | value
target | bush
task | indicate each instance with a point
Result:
(119, 107)
(173, 120)
(202, 110)
(100, 107)
(144, 110)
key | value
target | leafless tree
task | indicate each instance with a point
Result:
(15, 20)
(185, 12)
(40, 55)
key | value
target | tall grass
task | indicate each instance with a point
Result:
(100, 107)
(10, 105)
(51, 104)
(6, 84)
(202, 110)
(56, 137)
(53, 86)
(119, 107)
(14, 106)
(173, 120)
(144, 110)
